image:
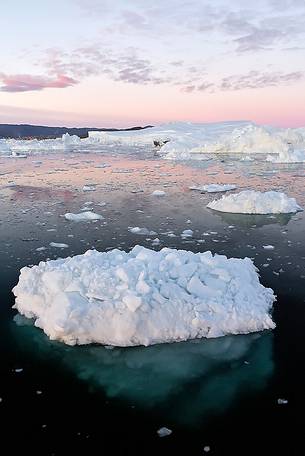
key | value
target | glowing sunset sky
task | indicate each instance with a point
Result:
(132, 62)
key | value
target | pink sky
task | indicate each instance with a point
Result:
(132, 64)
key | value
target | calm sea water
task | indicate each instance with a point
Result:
(221, 393)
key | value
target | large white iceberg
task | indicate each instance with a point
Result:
(184, 140)
(253, 202)
(143, 297)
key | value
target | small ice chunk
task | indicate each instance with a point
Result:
(142, 231)
(89, 188)
(164, 432)
(83, 216)
(282, 401)
(206, 449)
(187, 233)
(268, 247)
(158, 193)
(40, 249)
(103, 165)
(58, 245)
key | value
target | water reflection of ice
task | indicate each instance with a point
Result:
(248, 220)
(187, 380)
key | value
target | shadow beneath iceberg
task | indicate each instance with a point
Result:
(248, 220)
(186, 381)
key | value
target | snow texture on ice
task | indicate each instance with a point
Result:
(253, 202)
(143, 297)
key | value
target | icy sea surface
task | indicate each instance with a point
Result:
(231, 395)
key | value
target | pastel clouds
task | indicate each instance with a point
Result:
(28, 82)
(134, 62)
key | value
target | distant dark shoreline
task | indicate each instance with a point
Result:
(24, 131)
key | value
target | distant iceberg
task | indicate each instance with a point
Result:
(184, 140)
(143, 297)
(181, 140)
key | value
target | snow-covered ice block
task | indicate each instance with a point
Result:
(214, 188)
(143, 297)
(252, 202)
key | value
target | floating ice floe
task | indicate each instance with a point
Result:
(164, 432)
(83, 216)
(213, 188)
(142, 231)
(253, 202)
(59, 245)
(282, 401)
(89, 188)
(143, 297)
(158, 193)
(187, 234)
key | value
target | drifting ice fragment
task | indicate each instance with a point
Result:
(164, 432)
(268, 247)
(187, 233)
(59, 245)
(142, 231)
(158, 193)
(83, 216)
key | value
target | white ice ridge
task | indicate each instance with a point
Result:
(213, 188)
(143, 297)
(180, 140)
(253, 202)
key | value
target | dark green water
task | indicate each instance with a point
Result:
(220, 393)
